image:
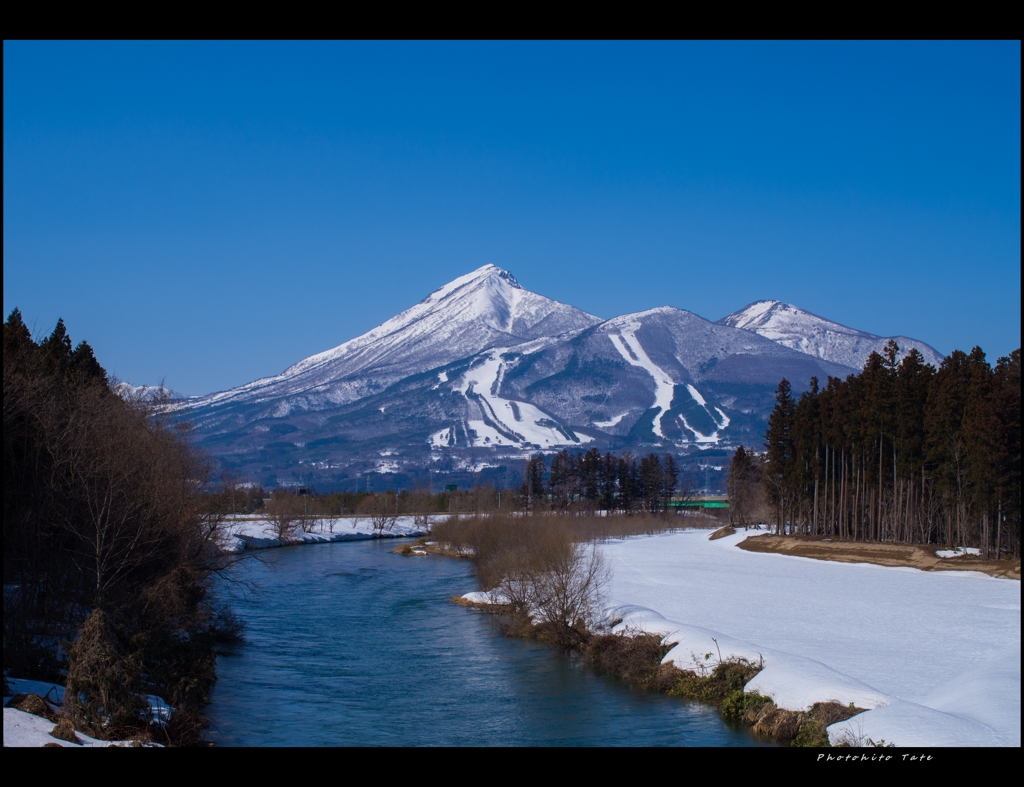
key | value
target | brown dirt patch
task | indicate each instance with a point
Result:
(912, 555)
(722, 532)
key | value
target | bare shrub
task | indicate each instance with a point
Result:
(568, 592)
(544, 572)
(307, 521)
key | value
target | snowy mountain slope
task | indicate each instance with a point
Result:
(483, 373)
(664, 379)
(814, 335)
(663, 375)
(481, 310)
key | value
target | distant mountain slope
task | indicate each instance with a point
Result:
(481, 310)
(793, 327)
(664, 375)
(664, 379)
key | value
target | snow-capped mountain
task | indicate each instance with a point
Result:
(814, 335)
(481, 310)
(483, 373)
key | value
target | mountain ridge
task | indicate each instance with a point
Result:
(483, 372)
(809, 333)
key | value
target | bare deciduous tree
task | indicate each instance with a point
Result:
(283, 512)
(567, 594)
(383, 510)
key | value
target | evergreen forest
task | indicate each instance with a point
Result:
(901, 452)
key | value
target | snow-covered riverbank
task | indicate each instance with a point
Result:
(935, 656)
(241, 533)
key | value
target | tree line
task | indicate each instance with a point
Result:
(900, 452)
(107, 532)
(571, 482)
(590, 481)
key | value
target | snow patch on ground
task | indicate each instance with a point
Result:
(444, 438)
(698, 436)
(28, 730)
(611, 423)
(696, 396)
(486, 435)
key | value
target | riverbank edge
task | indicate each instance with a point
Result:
(248, 542)
(878, 553)
(636, 657)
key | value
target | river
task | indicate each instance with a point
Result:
(350, 645)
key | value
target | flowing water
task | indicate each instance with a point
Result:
(350, 645)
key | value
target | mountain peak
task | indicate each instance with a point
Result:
(802, 330)
(482, 275)
(477, 311)
(491, 269)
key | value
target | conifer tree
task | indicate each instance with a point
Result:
(781, 456)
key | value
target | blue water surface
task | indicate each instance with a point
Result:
(349, 644)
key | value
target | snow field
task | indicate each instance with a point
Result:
(935, 656)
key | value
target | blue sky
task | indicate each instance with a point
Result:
(209, 213)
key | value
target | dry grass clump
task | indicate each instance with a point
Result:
(34, 704)
(799, 728)
(64, 731)
(715, 687)
(632, 656)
